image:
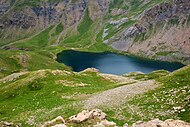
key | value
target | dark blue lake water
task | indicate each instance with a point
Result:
(112, 63)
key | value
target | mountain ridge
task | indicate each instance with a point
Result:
(151, 29)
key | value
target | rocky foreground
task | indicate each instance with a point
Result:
(99, 119)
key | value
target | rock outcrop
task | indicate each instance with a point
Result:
(119, 22)
(59, 125)
(100, 121)
(87, 115)
(105, 123)
(161, 32)
(97, 8)
(4, 7)
(28, 18)
(79, 118)
(46, 13)
(54, 122)
(165, 11)
(100, 118)
(117, 11)
(20, 20)
(7, 124)
(159, 123)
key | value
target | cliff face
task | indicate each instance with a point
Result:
(37, 16)
(4, 7)
(160, 32)
(47, 13)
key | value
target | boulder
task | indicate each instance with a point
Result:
(105, 123)
(174, 123)
(80, 117)
(90, 70)
(6, 124)
(126, 125)
(98, 125)
(59, 125)
(53, 122)
(152, 123)
(87, 115)
(159, 123)
(98, 114)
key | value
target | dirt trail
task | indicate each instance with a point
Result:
(12, 77)
(120, 95)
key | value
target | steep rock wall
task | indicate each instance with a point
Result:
(156, 36)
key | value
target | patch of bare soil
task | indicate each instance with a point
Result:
(120, 95)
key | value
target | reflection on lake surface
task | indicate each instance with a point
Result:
(112, 63)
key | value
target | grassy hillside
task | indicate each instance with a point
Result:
(159, 103)
(38, 41)
(46, 94)
(42, 95)
(16, 60)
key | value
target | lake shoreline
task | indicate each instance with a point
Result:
(138, 60)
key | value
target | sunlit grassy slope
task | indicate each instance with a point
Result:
(159, 103)
(45, 94)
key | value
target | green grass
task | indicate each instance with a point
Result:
(116, 4)
(8, 64)
(83, 36)
(136, 6)
(87, 37)
(159, 103)
(9, 36)
(58, 29)
(47, 94)
(85, 24)
(58, 93)
(99, 36)
(152, 75)
(16, 61)
(38, 41)
(164, 53)
(21, 4)
(100, 47)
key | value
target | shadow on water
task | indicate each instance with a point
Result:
(112, 63)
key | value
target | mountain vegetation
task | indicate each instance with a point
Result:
(35, 88)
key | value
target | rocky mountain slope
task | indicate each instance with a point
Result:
(23, 17)
(153, 29)
(160, 32)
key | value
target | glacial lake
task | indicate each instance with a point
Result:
(112, 63)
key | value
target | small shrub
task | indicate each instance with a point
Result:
(35, 85)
